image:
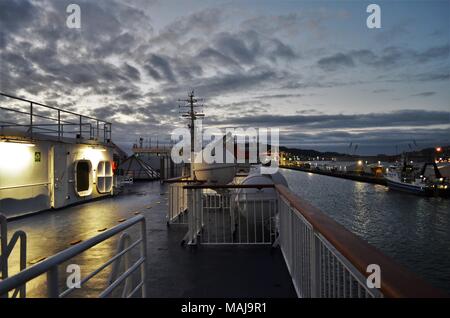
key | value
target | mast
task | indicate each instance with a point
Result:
(192, 115)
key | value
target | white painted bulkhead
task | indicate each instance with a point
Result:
(40, 175)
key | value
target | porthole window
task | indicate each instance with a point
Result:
(104, 177)
(83, 178)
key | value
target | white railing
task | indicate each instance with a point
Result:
(224, 215)
(326, 260)
(323, 258)
(177, 211)
(50, 266)
(316, 267)
(6, 249)
(32, 117)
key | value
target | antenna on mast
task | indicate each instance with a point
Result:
(192, 114)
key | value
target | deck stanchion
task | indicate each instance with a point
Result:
(144, 256)
(31, 119)
(52, 282)
(315, 265)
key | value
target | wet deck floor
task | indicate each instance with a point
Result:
(172, 270)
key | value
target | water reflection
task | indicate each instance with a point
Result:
(413, 230)
(51, 232)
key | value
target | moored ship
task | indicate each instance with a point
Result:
(408, 178)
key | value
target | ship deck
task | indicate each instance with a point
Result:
(173, 270)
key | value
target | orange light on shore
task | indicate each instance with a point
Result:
(438, 149)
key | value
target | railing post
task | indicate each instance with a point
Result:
(198, 211)
(31, 119)
(193, 219)
(194, 216)
(191, 216)
(81, 126)
(169, 210)
(4, 248)
(59, 124)
(144, 255)
(291, 239)
(52, 282)
(23, 259)
(315, 264)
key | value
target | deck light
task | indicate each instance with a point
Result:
(98, 148)
(93, 154)
(15, 156)
(17, 142)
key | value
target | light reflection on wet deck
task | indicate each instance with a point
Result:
(51, 232)
(172, 270)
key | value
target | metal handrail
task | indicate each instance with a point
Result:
(94, 131)
(39, 116)
(177, 209)
(396, 280)
(53, 108)
(229, 186)
(182, 179)
(6, 249)
(50, 265)
(306, 228)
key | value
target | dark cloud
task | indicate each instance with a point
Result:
(429, 76)
(159, 68)
(235, 82)
(308, 112)
(249, 48)
(393, 32)
(403, 118)
(238, 49)
(204, 21)
(15, 14)
(214, 57)
(381, 90)
(289, 23)
(132, 72)
(438, 52)
(424, 94)
(369, 142)
(335, 62)
(283, 51)
(388, 57)
(280, 96)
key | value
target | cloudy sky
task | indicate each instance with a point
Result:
(311, 68)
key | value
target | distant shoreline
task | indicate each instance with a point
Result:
(354, 177)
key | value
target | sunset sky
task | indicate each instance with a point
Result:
(311, 68)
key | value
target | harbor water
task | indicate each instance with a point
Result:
(413, 230)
